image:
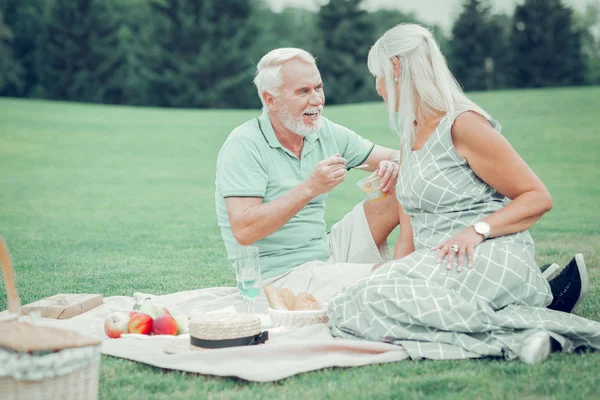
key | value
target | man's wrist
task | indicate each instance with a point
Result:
(307, 190)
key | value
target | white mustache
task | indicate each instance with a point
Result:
(313, 110)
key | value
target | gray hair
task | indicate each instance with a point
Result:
(268, 71)
(424, 80)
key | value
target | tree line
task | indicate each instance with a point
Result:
(202, 53)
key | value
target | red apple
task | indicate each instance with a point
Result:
(140, 323)
(161, 311)
(131, 313)
(165, 325)
(116, 324)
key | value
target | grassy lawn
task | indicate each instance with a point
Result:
(115, 200)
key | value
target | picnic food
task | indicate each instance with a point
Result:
(116, 324)
(306, 301)
(284, 299)
(140, 323)
(148, 308)
(288, 298)
(165, 325)
(183, 324)
(371, 187)
(160, 311)
(275, 299)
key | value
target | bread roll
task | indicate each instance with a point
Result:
(288, 297)
(306, 301)
(274, 297)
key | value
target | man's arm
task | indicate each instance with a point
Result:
(379, 154)
(252, 220)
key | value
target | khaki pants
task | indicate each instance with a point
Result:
(352, 256)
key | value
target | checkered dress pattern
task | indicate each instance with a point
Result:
(439, 314)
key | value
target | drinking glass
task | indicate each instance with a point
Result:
(247, 274)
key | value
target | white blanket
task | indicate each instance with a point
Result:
(286, 353)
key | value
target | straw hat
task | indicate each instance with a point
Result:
(220, 330)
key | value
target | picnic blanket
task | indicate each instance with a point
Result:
(286, 353)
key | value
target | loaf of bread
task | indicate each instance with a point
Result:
(288, 297)
(284, 299)
(306, 301)
(275, 299)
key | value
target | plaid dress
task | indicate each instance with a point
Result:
(439, 314)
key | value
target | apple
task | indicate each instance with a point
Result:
(165, 325)
(183, 323)
(140, 323)
(116, 324)
(148, 308)
(160, 311)
(131, 313)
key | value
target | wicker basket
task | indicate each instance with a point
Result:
(297, 319)
(38, 362)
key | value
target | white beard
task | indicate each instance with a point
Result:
(297, 125)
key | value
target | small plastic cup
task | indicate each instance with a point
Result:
(371, 187)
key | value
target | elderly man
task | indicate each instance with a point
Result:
(274, 173)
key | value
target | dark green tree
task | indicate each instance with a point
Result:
(589, 24)
(478, 47)
(197, 53)
(133, 88)
(546, 43)
(25, 20)
(384, 19)
(501, 24)
(11, 72)
(347, 36)
(78, 55)
(292, 27)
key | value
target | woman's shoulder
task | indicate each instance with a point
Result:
(468, 118)
(471, 122)
(473, 130)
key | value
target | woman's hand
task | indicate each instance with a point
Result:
(461, 244)
(388, 171)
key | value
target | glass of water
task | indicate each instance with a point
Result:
(247, 274)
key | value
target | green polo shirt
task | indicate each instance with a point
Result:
(252, 163)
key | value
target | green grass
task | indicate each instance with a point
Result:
(115, 200)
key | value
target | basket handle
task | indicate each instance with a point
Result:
(14, 303)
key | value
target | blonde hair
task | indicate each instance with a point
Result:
(425, 82)
(268, 71)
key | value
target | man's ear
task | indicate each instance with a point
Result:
(269, 100)
(396, 66)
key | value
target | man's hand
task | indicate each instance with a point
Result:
(327, 174)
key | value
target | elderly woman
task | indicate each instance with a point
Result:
(467, 200)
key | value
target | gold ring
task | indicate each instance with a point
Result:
(454, 248)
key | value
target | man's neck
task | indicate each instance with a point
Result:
(287, 138)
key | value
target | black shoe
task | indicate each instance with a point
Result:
(550, 271)
(569, 287)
